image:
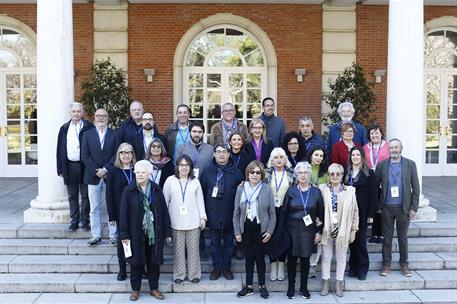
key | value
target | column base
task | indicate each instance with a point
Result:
(57, 213)
(425, 213)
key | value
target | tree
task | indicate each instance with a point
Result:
(106, 87)
(350, 85)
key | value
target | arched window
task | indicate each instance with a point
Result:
(16, 49)
(441, 49)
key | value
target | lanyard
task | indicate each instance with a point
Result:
(396, 174)
(374, 157)
(237, 160)
(276, 181)
(258, 150)
(129, 179)
(351, 180)
(154, 177)
(219, 176)
(186, 135)
(317, 182)
(252, 194)
(293, 160)
(334, 196)
(183, 192)
(305, 203)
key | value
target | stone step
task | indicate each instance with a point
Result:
(95, 283)
(431, 296)
(79, 246)
(109, 264)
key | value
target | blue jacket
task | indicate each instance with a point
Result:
(276, 128)
(314, 141)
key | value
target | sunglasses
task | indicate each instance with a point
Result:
(125, 153)
(156, 147)
(255, 172)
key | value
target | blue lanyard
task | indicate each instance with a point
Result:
(334, 196)
(351, 180)
(219, 176)
(258, 150)
(252, 194)
(183, 192)
(374, 157)
(154, 178)
(294, 161)
(391, 172)
(276, 182)
(305, 203)
(238, 160)
(186, 137)
(317, 182)
(129, 179)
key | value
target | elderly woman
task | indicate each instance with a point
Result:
(237, 153)
(184, 198)
(366, 191)
(341, 222)
(293, 145)
(376, 150)
(162, 165)
(340, 150)
(254, 221)
(117, 180)
(302, 209)
(144, 225)
(259, 146)
(280, 177)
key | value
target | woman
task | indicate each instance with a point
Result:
(237, 153)
(163, 165)
(341, 221)
(117, 180)
(254, 221)
(376, 151)
(184, 198)
(280, 177)
(340, 150)
(259, 146)
(359, 176)
(293, 146)
(144, 226)
(302, 207)
(318, 176)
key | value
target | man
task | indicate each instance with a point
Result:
(219, 183)
(178, 133)
(346, 112)
(276, 127)
(398, 203)
(97, 148)
(69, 166)
(200, 152)
(311, 140)
(148, 134)
(220, 132)
(131, 129)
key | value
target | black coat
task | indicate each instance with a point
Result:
(131, 220)
(265, 152)
(93, 156)
(219, 210)
(167, 170)
(115, 184)
(61, 153)
(241, 160)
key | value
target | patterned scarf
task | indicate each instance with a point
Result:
(148, 218)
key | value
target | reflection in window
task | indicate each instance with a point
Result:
(441, 49)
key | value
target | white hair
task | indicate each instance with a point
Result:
(302, 166)
(344, 105)
(76, 104)
(144, 164)
(335, 168)
(275, 152)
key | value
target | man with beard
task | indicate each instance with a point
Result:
(149, 133)
(276, 128)
(310, 139)
(220, 132)
(178, 133)
(346, 112)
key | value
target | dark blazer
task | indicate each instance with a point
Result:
(170, 135)
(115, 184)
(61, 154)
(167, 170)
(93, 156)
(131, 223)
(410, 183)
(265, 153)
(241, 160)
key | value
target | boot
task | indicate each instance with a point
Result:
(325, 287)
(281, 275)
(304, 286)
(274, 271)
(291, 290)
(339, 288)
(122, 275)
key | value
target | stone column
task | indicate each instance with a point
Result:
(55, 77)
(405, 85)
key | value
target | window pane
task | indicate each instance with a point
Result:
(8, 60)
(14, 143)
(247, 45)
(195, 59)
(213, 80)
(217, 37)
(433, 89)
(225, 58)
(253, 96)
(29, 80)
(14, 126)
(25, 48)
(197, 110)
(202, 45)
(31, 143)
(30, 96)
(452, 141)
(214, 97)
(14, 158)
(13, 96)
(433, 127)
(255, 58)
(236, 80)
(196, 80)
(254, 80)
(31, 158)
(431, 157)
(195, 96)
(236, 96)
(433, 112)
(254, 110)
(432, 141)
(13, 112)
(214, 112)
(30, 127)
(10, 38)
(13, 81)
(452, 157)
(30, 112)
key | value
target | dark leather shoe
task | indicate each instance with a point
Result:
(228, 275)
(122, 275)
(73, 227)
(215, 274)
(156, 294)
(362, 277)
(178, 281)
(195, 280)
(134, 295)
(85, 227)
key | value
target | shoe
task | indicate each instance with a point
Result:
(304, 293)
(352, 274)
(246, 291)
(380, 240)
(178, 281)
(325, 287)
(405, 271)
(273, 271)
(228, 275)
(312, 271)
(339, 288)
(113, 241)
(281, 275)
(122, 275)
(362, 277)
(374, 239)
(94, 241)
(195, 280)
(385, 271)
(215, 274)
(134, 295)
(290, 292)
(264, 292)
(73, 227)
(85, 227)
(156, 294)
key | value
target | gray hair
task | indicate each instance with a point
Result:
(335, 168)
(76, 104)
(136, 102)
(275, 152)
(302, 166)
(305, 118)
(144, 164)
(396, 139)
(117, 162)
(345, 104)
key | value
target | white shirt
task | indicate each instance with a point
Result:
(147, 141)
(101, 136)
(73, 146)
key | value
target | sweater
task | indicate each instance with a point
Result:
(276, 128)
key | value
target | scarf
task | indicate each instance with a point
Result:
(148, 217)
(251, 194)
(227, 130)
(158, 165)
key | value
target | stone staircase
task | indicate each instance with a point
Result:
(46, 258)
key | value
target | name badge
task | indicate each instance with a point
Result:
(215, 189)
(335, 217)
(182, 210)
(277, 202)
(307, 219)
(196, 171)
(127, 250)
(394, 192)
(248, 213)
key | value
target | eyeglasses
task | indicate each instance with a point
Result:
(255, 172)
(256, 128)
(228, 111)
(183, 165)
(219, 152)
(148, 119)
(337, 174)
(156, 147)
(101, 115)
(302, 173)
(123, 153)
(293, 144)
(348, 131)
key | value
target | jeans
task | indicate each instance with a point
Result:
(222, 253)
(97, 197)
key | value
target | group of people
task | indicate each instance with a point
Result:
(292, 196)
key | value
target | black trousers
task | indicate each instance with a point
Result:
(253, 252)
(394, 215)
(376, 227)
(292, 270)
(74, 187)
(120, 253)
(359, 260)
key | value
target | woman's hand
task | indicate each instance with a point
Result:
(202, 224)
(168, 241)
(370, 220)
(318, 222)
(126, 242)
(266, 237)
(317, 238)
(238, 238)
(112, 223)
